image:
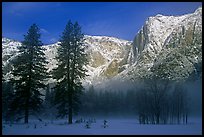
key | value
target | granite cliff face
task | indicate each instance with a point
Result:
(158, 42)
(169, 46)
(107, 56)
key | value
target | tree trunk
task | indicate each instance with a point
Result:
(26, 111)
(70, 116)
(28, 89)
(72, 90)
(183, 119)
(69, 90)
(157, 119)
(178, 116)
(27, 102)
(186, 118)
(140, 119)
(70, 109)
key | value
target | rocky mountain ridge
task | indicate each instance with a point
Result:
(161, 42)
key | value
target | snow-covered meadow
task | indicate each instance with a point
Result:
(116, 126)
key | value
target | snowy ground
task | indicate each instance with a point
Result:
(116, 126)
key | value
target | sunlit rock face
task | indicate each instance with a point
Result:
(107, 56)
(170, 45)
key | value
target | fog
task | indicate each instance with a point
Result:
(120, 100)
(194, 90)
(116, 98)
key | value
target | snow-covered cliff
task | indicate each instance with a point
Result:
(169, 45)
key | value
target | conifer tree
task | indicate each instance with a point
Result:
(71, 61)
(29, 73)
(7, 95)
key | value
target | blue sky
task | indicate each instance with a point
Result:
(117, 19)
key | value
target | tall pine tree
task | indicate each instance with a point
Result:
(7, 95)
(29, 74)
(71, 61)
